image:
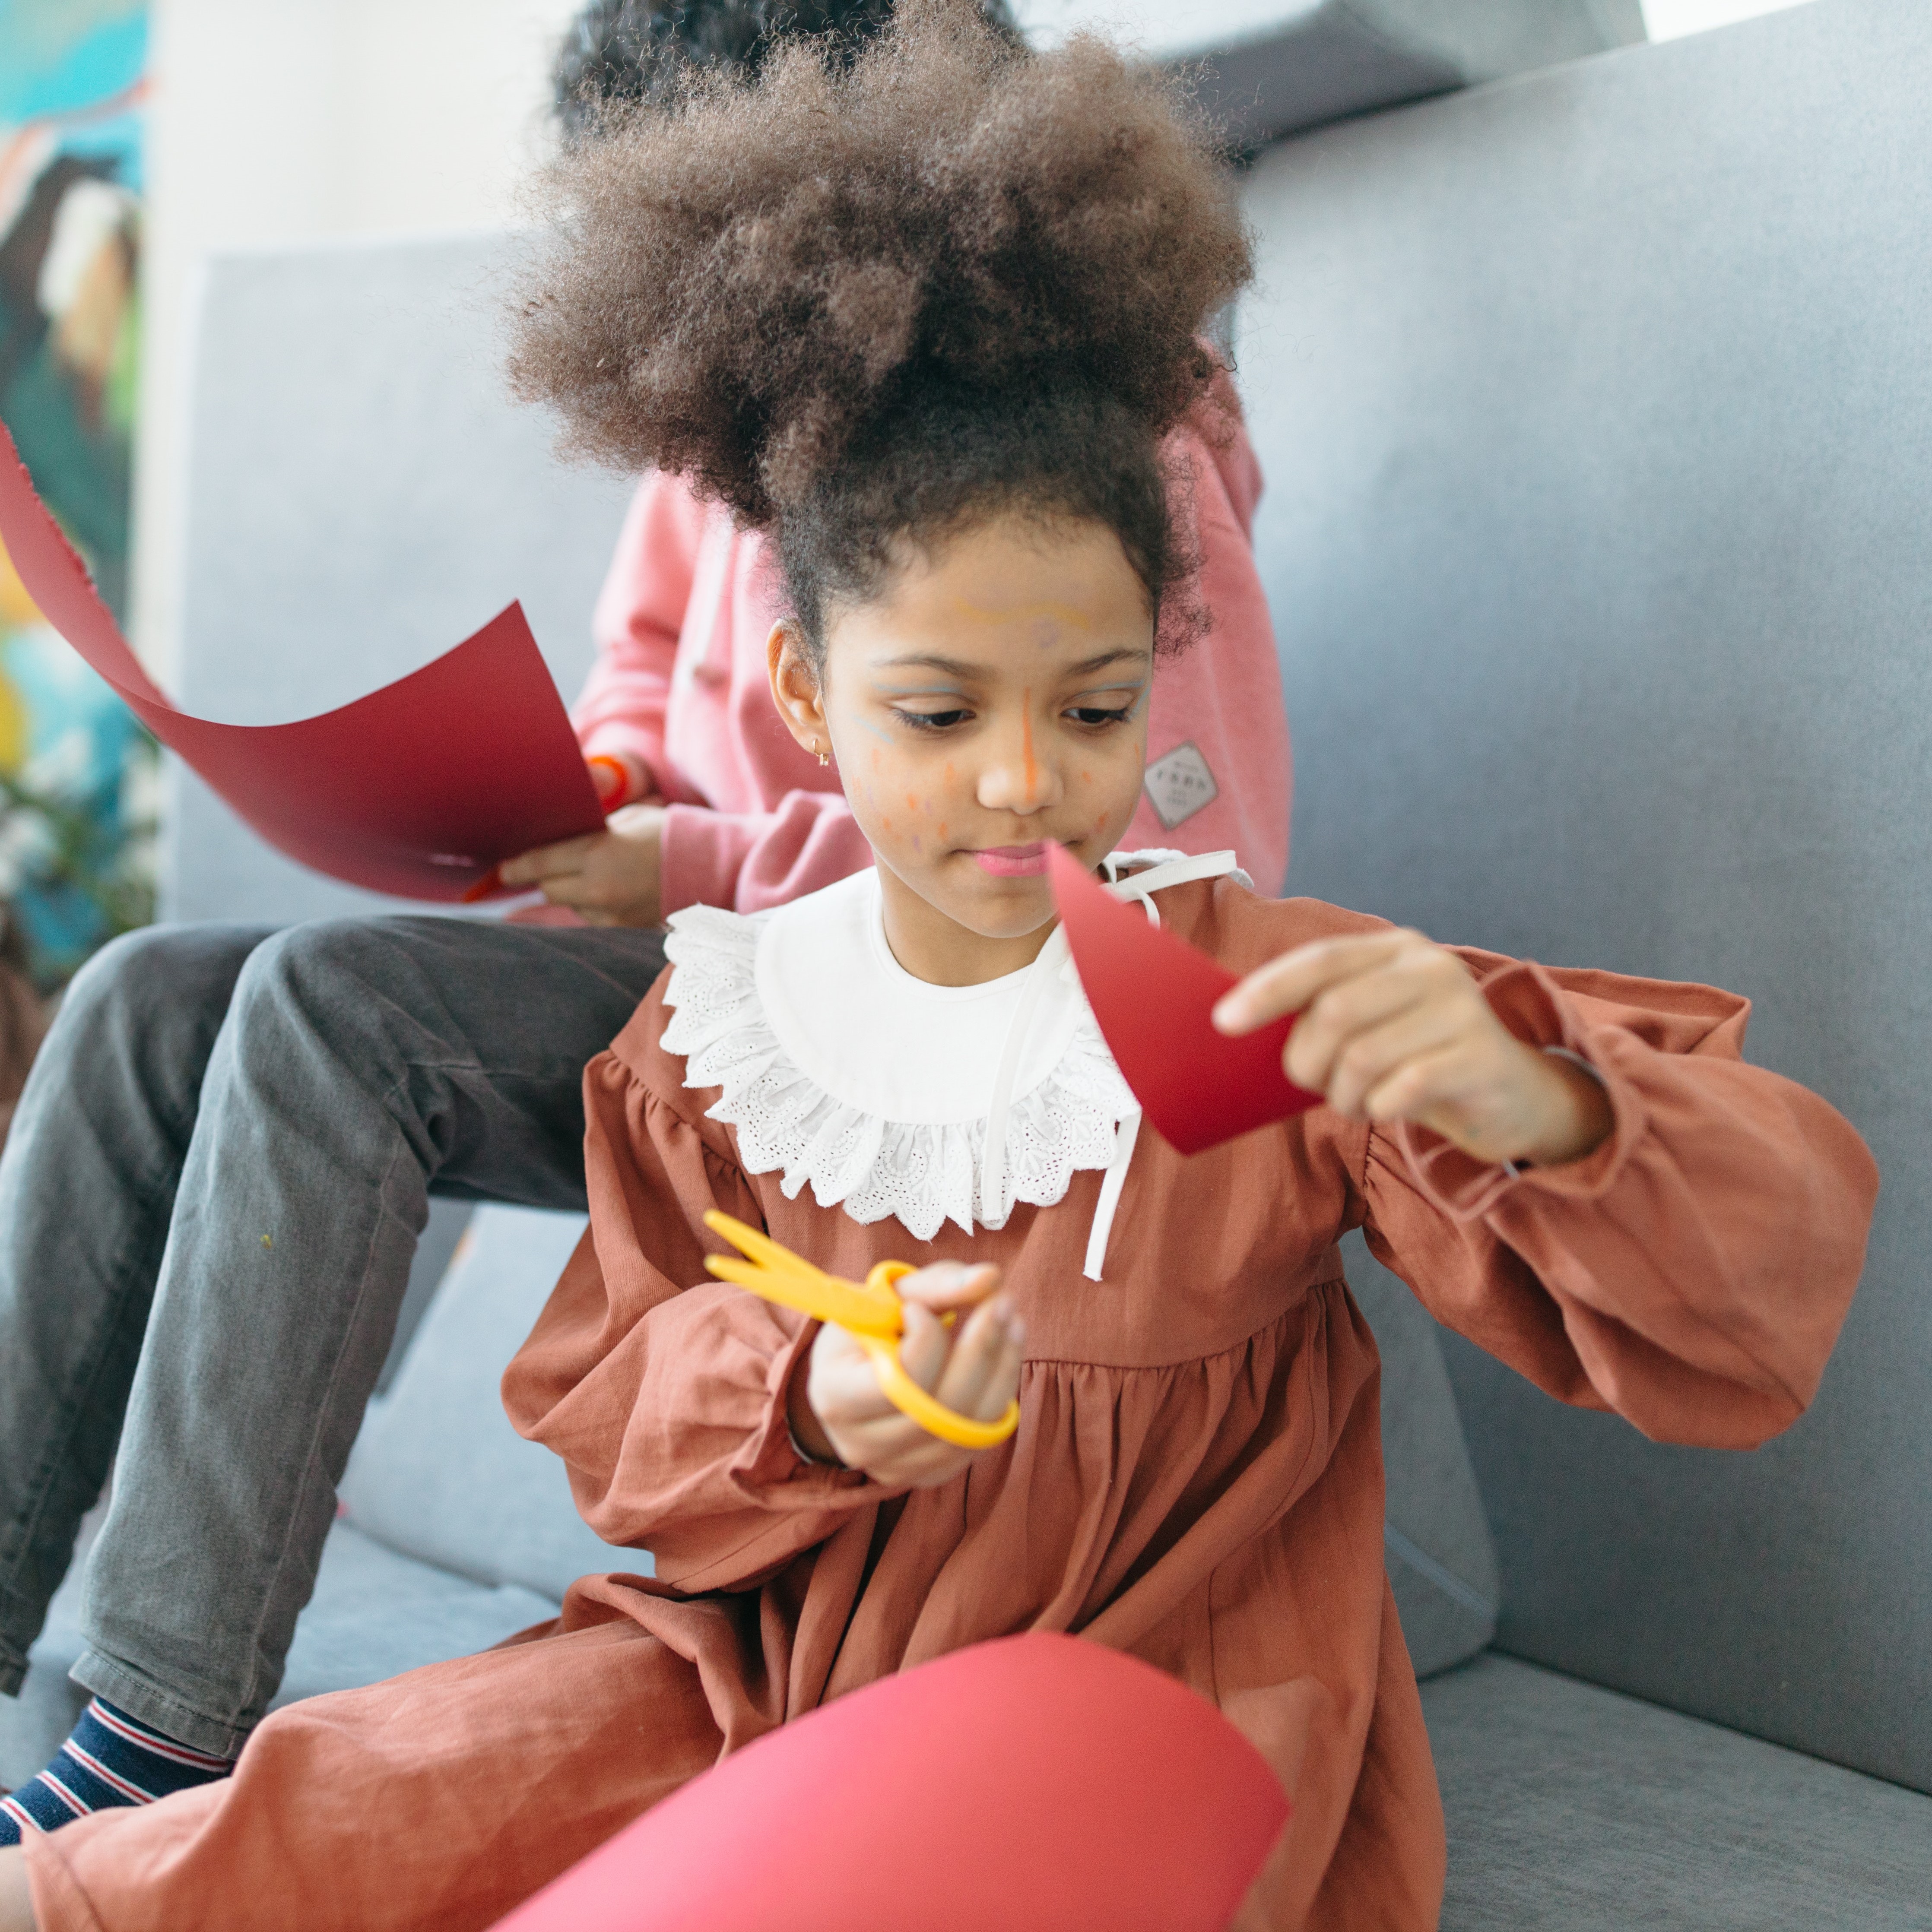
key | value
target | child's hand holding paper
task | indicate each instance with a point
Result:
(1392, 1028)
(613, 877)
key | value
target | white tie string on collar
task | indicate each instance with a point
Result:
(1054, 957)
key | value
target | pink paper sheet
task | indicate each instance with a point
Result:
(418, 789)
(1152, 994)
(1035, 1784)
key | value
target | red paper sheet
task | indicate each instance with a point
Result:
(1153, 993)
(1036, 1784)
(418, 789)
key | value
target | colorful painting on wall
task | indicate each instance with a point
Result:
(77, 771)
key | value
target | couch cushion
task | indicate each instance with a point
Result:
(438, 1473)
(376, 1613)
(1442, 1563)
(1599, 541)
(1266, 68)
(33, 1724)
(1572, 1809)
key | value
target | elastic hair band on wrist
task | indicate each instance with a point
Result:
(622, 771)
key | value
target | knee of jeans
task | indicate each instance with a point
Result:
(330, 975)
(147, 980)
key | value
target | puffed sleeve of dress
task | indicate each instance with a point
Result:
(1692, 1272)
(663, 1389)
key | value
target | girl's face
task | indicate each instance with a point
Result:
(992, 699)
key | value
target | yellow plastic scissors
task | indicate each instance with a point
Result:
(870, 1312)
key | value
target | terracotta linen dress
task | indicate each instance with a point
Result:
(1196, 1478)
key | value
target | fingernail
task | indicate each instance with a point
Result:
(1227, 1014)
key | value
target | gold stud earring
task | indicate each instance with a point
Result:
(824, 758)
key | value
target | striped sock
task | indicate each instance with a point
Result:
(108, 1760)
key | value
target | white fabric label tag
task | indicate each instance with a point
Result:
(1180, 784)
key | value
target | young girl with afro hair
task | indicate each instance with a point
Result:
(926, 321)
(709, 805)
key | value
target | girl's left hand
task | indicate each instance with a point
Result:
(1393, 1028)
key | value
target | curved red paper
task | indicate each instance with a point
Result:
(1152, 994)
(418, 789)
(1039, 1783)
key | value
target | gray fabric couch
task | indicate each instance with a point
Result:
(1302, 64)
(1591, 409)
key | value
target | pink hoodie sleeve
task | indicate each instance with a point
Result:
(750, 860)
(639, 615)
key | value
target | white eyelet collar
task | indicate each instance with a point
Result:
(800, 1014)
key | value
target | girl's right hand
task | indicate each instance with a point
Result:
(839, 1413)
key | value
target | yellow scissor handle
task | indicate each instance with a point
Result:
(872, 1314)
(932, 1415)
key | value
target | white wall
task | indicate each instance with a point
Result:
(280, 121)
(1672, 20)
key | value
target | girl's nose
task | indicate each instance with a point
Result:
(1014, 779)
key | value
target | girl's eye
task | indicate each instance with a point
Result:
(1095, 715)
(932, 721)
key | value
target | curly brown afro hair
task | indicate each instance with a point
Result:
(867, 303)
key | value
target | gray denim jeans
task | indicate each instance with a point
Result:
(208, 1204)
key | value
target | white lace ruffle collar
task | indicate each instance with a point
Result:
(800, 1015)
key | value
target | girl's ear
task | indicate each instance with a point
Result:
(796, 689)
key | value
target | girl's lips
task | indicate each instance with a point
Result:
(1014, 861)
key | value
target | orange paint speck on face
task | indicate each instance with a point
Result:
(1086, 776)
(1026, 744)
(942, 828)
(912, 802)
